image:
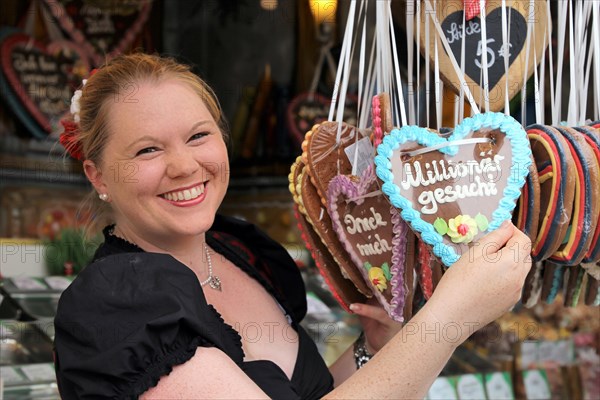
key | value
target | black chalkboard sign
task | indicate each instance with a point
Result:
(104, 28)
(453, 30)
(41, 79)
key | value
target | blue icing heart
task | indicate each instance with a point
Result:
(521, 159)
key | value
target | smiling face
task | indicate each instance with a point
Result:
(165, 165)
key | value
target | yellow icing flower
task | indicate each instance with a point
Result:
(377, 278)
(462, 229)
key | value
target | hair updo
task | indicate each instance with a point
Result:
(117, 81)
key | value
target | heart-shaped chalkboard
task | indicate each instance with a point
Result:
(40, 79)
(452, 27)
(103, 28)
(450, 16)
(373, 235)
(453, 191)
(308, 109)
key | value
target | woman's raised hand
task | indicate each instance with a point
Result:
(484, 283)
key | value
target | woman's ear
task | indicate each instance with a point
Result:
(94, 175)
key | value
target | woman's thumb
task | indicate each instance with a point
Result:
(495, 240)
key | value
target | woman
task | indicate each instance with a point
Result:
(182, 303)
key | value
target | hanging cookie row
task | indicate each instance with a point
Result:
(363, 246)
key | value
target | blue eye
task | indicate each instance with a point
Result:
(197, 136)
(146, 150)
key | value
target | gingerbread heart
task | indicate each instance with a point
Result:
(343, 289)
(373, 235)
(553, 161)
(103, 29)
(592, 136)
(450, 16)
(324, 153)
(308, 109)
(318, 217)
(454, 190)
(41, 79)
(527, 214)
(586, 205)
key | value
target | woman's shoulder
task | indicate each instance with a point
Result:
(124, 275)
(130, 318)
(130, 289)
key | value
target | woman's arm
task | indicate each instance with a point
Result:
(209, 374)
(480, 287)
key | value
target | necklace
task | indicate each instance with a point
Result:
(213, 281)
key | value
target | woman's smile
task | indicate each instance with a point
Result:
(186, 196)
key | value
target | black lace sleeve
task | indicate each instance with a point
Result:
(127, 320)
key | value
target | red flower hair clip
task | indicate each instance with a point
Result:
(70, 139)
(70, 136)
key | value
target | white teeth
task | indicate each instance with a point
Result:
(187, 194)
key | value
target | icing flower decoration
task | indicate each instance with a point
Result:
(482, 222)
(440, 226)
(462, 229)
(377, 278)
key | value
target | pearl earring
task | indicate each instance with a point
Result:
(103, 196)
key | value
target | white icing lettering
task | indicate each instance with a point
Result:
(429, 199)
(360, 225)
(379, 247)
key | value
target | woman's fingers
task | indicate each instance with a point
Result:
(369, 311)
(495, 240)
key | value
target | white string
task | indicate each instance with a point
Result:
(418, 64)
(361, 68)
(442, 37)
(542, 82)
(536, 86)
(550, 61)
(441, 145)
(427, 73)
(397, 70)
(560, 39)
(572, 111)
(410, 45)
(346, 72)
(584, 90)
(438, 86)
(484, 48)
(528, 45)
(596, 40)
(505, 44)
(366, 101)
(462, 65)
(345, 45)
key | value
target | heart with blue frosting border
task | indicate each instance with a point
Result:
(454, 190)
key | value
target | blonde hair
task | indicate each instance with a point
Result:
(117, 81)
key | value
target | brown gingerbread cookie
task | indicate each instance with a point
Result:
(557, 188)
(318, 217)
(586, 202)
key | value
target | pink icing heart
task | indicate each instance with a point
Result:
(373, 234)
